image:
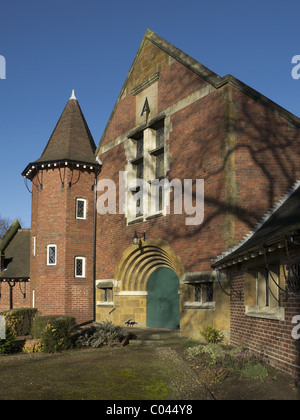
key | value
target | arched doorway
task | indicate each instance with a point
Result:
(163, 305)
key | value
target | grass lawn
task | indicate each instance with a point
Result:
(108, 373)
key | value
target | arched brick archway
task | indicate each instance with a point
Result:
(139, 262)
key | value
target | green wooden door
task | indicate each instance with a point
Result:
(163, 307)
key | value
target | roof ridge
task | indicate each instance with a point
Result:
(9, 235)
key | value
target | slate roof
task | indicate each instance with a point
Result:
(71, 139)
(281, 221)
(17, 256)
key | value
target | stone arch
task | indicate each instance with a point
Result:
(139, 262)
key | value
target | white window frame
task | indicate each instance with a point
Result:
(48, 254)
(83, 267)
(149, 172)
(84, 208)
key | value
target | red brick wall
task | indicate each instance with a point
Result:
(19, 301)
(176, 82)
(267, 159)
(123, 120)
(57, 291)
(271, 337)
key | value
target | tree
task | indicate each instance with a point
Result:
(5, 223)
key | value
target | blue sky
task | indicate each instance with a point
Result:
(53, 47)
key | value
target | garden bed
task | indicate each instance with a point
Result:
(237, 374)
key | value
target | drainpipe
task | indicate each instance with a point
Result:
(97, 172)
(2, 256)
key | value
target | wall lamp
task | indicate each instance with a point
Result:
(137, 240)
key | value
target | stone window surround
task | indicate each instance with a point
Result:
(276, 313)
(165, 115)
(149, 135)
(202, 277)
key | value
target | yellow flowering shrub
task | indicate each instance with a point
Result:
(33, 346)
(20, 320)
(55, 332)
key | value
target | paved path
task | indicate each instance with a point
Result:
(183, 378)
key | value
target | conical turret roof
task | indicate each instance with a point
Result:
(71, 139)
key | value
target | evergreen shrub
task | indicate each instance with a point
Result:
(55, 331)
(99, 334)
(7, 344)
(20, 320)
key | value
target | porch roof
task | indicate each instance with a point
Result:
(17, 257)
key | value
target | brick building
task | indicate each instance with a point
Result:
(263, 271)
(177, 124)
(244, 147)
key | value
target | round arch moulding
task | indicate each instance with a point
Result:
(139, 262)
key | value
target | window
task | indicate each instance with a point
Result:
(146, 156)
(267, 294)
(262, 296)
(203, 292)
(51, 254)
(80, 267)
(209, 292)
(80, 208)
(197, 293)
(138, 167)
(105, 295)
(108, 295)
(158, 154)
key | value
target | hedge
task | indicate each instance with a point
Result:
(20, 320)
(55, 331)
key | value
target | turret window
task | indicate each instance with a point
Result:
(51, 254)
(80, 267)
(80, 208)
